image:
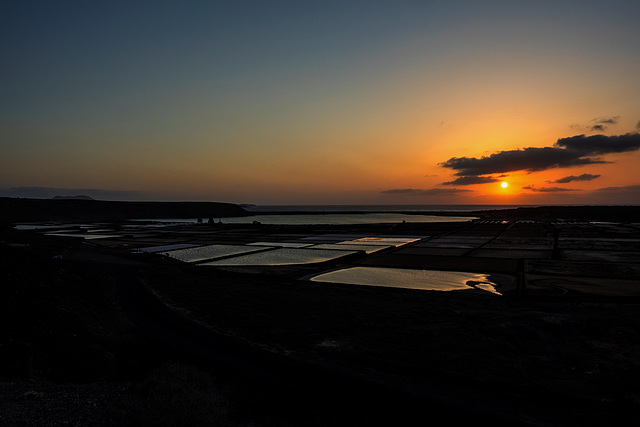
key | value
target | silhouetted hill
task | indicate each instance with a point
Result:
(78, 197)
(23, 210)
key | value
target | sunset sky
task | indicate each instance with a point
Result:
(324, 102)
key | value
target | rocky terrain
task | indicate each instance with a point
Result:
(77, 349)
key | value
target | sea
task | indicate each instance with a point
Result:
(348, 214)
(377, 208)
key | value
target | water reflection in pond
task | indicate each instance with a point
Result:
(283, 256)
(203, 253)
(415, 279)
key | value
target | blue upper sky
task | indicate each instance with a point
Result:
(304, 102)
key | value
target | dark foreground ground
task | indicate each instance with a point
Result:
(560, 347)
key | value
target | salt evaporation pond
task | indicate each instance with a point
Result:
(22, 227)
(282, 256)
(84, 236)
(166, 248)
(415, 279)
(389, 241)
(346, 246)
(203, 253)
(332, 238)
(281, 244)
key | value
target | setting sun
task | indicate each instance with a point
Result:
(504, 185)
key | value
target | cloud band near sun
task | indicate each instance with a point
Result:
(471, 180)
(547, 189)
(602, 123)
(571, 178)
(577, 150)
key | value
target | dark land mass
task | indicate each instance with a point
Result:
(92, 334)
(78, 197)
(27, 210)
(622, 214)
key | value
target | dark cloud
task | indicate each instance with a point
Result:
(598, 124)
(577, 150)
(607, 120)
(626, 189)
(583, 177)
(430, 192)
(547, 189)
(638, 125)
(471, 180)
(530, 159)
(601, 123)
(600, 144)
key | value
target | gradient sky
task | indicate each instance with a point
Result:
(326, 102)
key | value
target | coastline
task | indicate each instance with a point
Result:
(554, 356)
(614, 213)
(29, 210)
(13, 210)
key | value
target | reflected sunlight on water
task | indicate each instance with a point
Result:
(336, 218)
(412, 279)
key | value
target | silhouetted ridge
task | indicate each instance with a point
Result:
(16, 210)
(78, 197)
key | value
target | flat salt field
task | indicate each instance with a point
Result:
(283, 256)
(281, 244)
(453, 242)
(431, 280)
(413, 250)
(462, 239)
(604, 256)
(441, 244)
(516, 246)
(600, 244)
(333, 238)
(510, 254)
(203, 253)
(346, 246)
(161, 248)
(84, 236)
(610, 270)
(382, 240)
(360, 239)
(588, 285)
(22, 227)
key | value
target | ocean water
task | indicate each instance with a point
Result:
(376, 208)
(342, 218)
(318, 219)
(346, 214)
(358, 214)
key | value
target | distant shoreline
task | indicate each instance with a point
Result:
(28, 210)
(539, 213)
(14, 210)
